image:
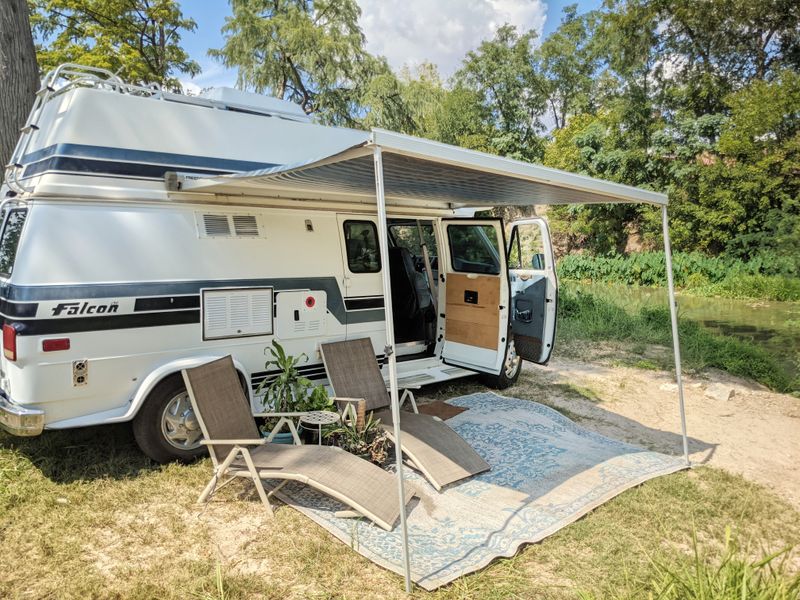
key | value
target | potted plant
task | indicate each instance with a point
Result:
(289, 391)
(368, 441)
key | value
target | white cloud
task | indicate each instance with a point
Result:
(213, 74)
(409, 32)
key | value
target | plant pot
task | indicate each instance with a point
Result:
(285, 437)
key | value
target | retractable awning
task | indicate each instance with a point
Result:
(391, 169)
(421, 171)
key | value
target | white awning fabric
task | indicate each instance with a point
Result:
(417, 170)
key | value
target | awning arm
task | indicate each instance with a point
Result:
(383, 241)
(676, 345)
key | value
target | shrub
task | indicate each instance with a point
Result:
(693, 271)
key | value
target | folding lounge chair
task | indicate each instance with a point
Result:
(429, 444)
(237, 450)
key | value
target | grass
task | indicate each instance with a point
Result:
(694, 273)
(763, 287)
(733, 577)
(84, 515)
(584, 316)
(577, 391)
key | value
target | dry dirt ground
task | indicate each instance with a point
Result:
(756, 433)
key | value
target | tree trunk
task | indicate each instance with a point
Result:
(19, 74)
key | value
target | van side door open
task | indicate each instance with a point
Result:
(474, 294)
(534, 289)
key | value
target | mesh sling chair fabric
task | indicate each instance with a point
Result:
(237, 450)
(438, 452)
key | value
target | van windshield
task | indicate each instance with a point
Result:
(9, 240)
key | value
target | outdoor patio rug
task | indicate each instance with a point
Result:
(546, 473)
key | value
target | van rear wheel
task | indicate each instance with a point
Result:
(512, 367)
(165, 427)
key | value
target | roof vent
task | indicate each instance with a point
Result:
(247, 102)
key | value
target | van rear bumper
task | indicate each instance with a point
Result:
(18, 420)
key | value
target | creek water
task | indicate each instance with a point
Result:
(773, 325)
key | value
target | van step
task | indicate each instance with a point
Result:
(415, 380)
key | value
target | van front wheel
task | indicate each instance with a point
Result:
(512, 367)
(165, 427)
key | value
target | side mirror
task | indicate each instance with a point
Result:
(537, 262)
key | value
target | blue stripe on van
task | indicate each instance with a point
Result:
(68, 164)
(173, 298)
(176, 161)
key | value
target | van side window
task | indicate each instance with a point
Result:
(9, 240)
(473, 248)
(361, 242)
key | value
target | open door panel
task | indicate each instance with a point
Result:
(534, 290)
(475, 294)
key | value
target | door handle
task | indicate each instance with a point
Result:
(524, 316)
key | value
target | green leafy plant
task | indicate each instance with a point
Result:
(290, 391)
(694, 272)
(735, 577)
(368, 441)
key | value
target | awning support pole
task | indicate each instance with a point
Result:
(383, 241)
(676, 346)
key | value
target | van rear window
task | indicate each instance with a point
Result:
(9, 240)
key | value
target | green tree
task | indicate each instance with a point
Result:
(694, 99)
(138, 39)
(309, 52)
(597, 146)
(568, 62)
(409, 103)
(742, 198)
(718, 46)
(501, 75)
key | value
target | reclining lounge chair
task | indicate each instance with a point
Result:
(429, 444)
(237, 450)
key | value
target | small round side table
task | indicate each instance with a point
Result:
(320, 418)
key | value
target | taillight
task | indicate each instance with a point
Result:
(10, 342)
(55, 345)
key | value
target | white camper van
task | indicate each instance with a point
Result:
(128, 251)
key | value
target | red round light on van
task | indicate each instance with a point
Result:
(310, 301)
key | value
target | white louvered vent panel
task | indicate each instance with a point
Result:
(229, 313)
(216, 225)
(261, 309)
(240, 310)
(219, 225)
(245, 225)
(215, 315)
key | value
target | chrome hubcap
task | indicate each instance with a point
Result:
(179, 425)
(512, 360)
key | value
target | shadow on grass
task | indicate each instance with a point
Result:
(110, 451)
(88, 453)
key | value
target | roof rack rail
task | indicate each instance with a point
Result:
(69, 76)
(58, 81)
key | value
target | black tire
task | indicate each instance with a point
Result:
(147, 428)
(507, 377)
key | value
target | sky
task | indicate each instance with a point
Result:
(406, 32)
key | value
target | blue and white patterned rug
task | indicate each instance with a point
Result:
(546, 473)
